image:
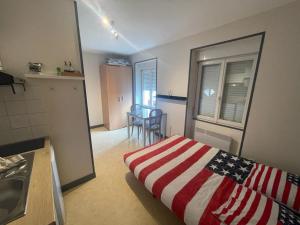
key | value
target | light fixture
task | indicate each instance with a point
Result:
(116, 35)
(97, 9)
(105, 21)
(113, 30)
(110, 26)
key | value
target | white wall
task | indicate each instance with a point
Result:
(273, 128)
(45, 31)
(91, 63)
(37, 31)
(68, 127)
(23, 115)
(175, 115)
(240, 47)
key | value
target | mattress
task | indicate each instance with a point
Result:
(205, 185)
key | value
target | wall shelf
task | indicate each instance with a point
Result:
(178, 98)
(52, 76)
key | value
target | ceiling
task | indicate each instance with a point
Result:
(143, 24)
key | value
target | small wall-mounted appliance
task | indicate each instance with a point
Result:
(35, 67)
(214, 139)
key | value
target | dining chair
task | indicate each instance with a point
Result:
(154, 123)
(136, 122)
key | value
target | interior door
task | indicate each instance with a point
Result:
(115, 97)
(104, 95)
(126, 96)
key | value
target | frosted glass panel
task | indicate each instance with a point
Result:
(237, 80)
(149, 87)
(145, 82)
(209, 88)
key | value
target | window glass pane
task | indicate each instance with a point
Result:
(209, 89)
(154, 98)
(153, 88)
(147, 69)
(149, 87)
(237, 82)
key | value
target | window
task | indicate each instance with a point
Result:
(224, 90)
(209, 89)
(149, 87)
(145, 83)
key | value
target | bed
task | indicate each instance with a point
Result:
(204, 185)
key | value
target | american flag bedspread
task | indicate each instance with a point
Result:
(203, 185)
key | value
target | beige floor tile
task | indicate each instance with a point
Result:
(115, 196)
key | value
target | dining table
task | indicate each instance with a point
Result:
(144, 115)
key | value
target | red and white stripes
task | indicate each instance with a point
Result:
(174, 171)
(247, 205)
(273, 183)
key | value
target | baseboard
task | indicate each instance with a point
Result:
(77, 182)
(96, 126)
(21, 147)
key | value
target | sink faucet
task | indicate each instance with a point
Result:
(6, 164)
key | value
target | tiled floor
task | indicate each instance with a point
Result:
(115, 196)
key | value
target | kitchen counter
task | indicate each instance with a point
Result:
(40, 201)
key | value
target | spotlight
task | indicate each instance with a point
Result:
(105, 21)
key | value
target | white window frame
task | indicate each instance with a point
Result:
(223, 62)
(149, 64)
(206, 63)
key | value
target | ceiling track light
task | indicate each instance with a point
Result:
(110, 25)
(116, 35)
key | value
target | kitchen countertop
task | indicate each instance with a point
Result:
(40, 202)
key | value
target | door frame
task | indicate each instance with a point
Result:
(189, 113)
(134, 77)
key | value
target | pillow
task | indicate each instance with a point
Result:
(246, 206)
(277, 184)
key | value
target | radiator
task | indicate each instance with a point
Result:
(214, 139)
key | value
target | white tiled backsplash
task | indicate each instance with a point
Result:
(23, 115)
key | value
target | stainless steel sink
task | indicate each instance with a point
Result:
(11, 191)
(14, 189)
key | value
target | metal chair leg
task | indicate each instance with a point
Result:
(153, 136)
(138, 132)
(13, 89)
(132, 129)
(159, 133)
(149, 135)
